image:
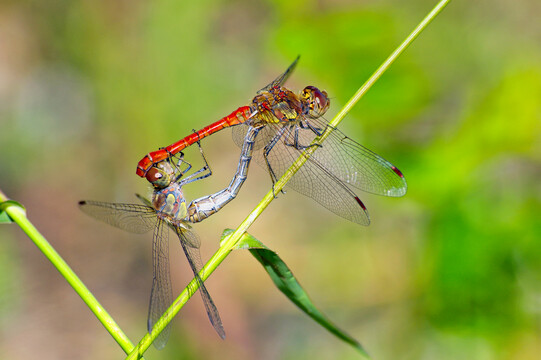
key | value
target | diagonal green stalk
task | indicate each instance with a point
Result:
(229, 243)
(18, 215)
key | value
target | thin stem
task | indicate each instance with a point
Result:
(18, 215)
(229, 243)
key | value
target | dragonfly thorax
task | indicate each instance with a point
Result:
(277, 105)
(170, 203)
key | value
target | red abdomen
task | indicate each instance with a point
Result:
(237, 117)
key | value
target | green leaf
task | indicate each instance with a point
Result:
(284, 279)
(4, 216)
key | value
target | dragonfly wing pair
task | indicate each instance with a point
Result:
(335, 167)
(139, 219)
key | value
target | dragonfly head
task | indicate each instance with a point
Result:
(160, 175)
(318, 102)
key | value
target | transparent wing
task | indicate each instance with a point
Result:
(354, 164)
(161, 295)
(191, 238)
(341, 156)
(266, 134)
(335, 165)
(280, 80)
(134, 218)
(187, 237)
(144, 200)
(313, 179)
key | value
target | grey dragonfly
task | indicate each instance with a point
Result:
(168, 210)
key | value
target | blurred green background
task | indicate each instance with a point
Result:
(450, 271)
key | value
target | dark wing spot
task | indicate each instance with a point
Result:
(360, 202)
(398, 172)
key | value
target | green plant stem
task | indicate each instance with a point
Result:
(18, 215)
(229, 243)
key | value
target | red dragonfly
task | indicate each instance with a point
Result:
(168, 209)
(290, 123)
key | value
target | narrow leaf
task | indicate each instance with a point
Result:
(246, 241)
(286, 282)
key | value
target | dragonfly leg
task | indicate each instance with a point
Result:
(195, 176)
(287, 136)
(266, 151)
(178, 165)
(295, 143)
(207, 166)
(314, 129)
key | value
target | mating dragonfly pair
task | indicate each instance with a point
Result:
(277, 127)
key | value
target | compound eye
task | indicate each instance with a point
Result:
(318, 101)
(154, 174)
(157, 177)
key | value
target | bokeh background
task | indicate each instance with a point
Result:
(450, 271)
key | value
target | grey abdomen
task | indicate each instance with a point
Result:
(204, 207)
